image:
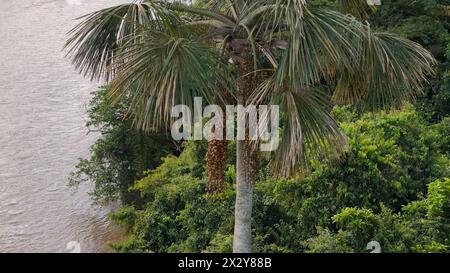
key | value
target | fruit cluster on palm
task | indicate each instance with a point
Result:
(158, 54)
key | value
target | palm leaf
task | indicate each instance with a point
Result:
(387, 71)
(93, 41)
(163, 70)
(358, 8)
(308, 131)
(315, 47)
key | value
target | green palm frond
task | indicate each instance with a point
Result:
(324, 40)
(226, 7)
(308, 131)
(371, 69)
(358, 8)
(162, 70)
(179, 6)
(279, 15)
(93, 41)
(387, 71)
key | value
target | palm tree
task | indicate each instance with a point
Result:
(159, 54)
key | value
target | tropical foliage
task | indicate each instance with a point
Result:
(392, 187)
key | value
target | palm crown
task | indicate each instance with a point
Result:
(162, 53)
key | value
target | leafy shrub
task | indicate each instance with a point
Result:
(423, 226)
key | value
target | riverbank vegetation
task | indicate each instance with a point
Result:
(391, 185)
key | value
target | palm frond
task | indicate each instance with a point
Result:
(280, 15)
(387, 71)
(93, 41)
(358, 8)
(227, 7)
(323, 40)
(308, 131)
(162, 70)
(206, 13)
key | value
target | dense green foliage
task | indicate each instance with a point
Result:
(377, 192)
(392, 186)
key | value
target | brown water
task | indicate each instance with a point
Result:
(42, 134)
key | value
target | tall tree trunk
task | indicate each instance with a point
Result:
(246, 161)
(242, 240)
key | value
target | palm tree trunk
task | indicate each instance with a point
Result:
(247, 159)
(242, 240)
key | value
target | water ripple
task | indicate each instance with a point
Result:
(42, 115)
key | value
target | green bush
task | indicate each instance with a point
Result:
(422, 226)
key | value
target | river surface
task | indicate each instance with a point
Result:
(42, 115)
